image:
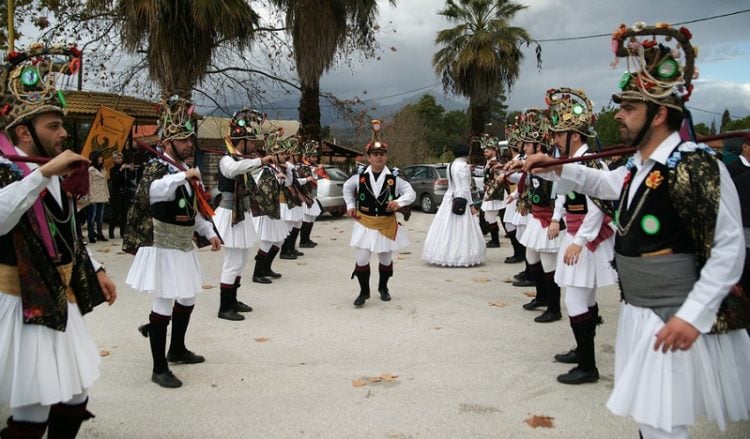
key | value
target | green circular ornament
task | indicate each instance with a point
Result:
(577, 109)
(572, 195)
(555, 119)
(189, 125)
(667, 69)
(362, 197)
(617, 216)
(182, 203)
(625, 80)
(29, 76)
(535, 199)
(241, 122)
(650, 224)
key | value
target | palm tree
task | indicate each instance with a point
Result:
(319, 29)
(181, 36)
(481, 55)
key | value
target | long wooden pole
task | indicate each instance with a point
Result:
(621, 150)
(11, 27)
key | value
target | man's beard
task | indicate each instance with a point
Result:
(182, 157)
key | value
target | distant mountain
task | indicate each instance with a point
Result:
(288, 109)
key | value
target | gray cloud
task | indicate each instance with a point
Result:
(723, 60)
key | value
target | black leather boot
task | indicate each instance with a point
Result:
(385, 271)
(178, 353)
(304, 235)
(156, 331)
(553, 313)
(584, 329)
(293, 242)
(363, 276)
(519, 250)
(494, 241)
(23, 430)
(266, 270)
(227, 301)
(239, 306)
(65, 420)
(286, 248)
(260, 266)
(537, 275)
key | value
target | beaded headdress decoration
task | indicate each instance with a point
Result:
(27, 82)
(570, 110)
(310, 147)
(245, 124)
(655, 73)
(532, 126)
(176, 118)
(375, 143)
(511, 135)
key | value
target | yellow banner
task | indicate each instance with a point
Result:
(109, 132)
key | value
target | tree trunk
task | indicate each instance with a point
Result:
(477, 114)
(309, 111)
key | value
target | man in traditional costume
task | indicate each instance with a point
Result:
(587, 248)
(373, 195)
(544, 208)
(233, 221)
(493, 201)
(679, 250)
(48, 359)
(308, 170)
(161, 222)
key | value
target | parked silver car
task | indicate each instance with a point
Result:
(430, 182)
(330, 190)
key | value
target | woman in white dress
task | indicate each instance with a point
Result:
(455, 240)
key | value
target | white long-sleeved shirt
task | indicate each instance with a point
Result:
(18, 197)
(723, 268)
(231, 168)
(404, 191)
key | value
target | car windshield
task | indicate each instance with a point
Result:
(336, 174)
(443, 172)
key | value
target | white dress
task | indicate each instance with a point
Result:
(455, 240)
(371, 239)
(242, 234)
(165, 272)
(534, 236)
(710, 379)
(39, 365)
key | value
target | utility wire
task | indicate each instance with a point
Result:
(609, 34)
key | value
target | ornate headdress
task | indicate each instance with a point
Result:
(27, 82)
(375, 143)
(176, 118)
(511, 135)
(654, 70)
(245, 124)
(532, 126)
(570, 110)
(311, 147)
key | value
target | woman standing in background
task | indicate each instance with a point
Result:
(98, 196)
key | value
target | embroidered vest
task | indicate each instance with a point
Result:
(656, 225)
(540, 192)
(575, 203)
(370, 203)
(180, 211)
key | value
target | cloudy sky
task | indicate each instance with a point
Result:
(411, 27)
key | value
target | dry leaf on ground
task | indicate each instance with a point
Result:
(449, 280)
(481, 280)
(262, 339)
(498, 304)
(530, 293)
(540, 421)
(437, 327)
(104, 353)
(103, 250)
(207, 286)
(363, 381)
